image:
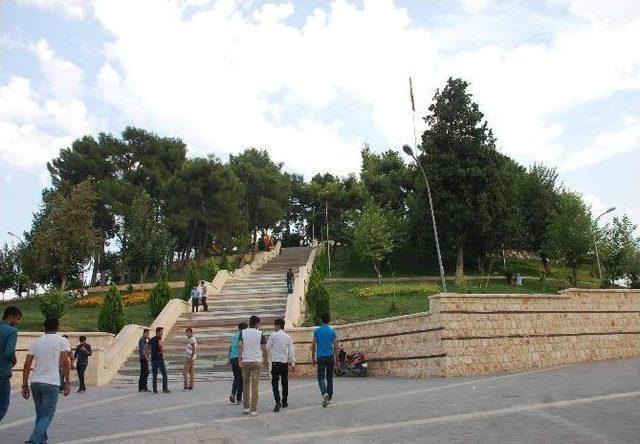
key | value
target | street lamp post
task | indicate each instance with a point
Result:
(595, 243)
(407, 149)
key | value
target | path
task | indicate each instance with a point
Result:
(593, 403)
(263, 293)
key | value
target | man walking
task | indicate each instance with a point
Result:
(156, 348)
(253, 354)
(188, 373)
(49, 351)
(8, 339)
(143, 354)
(236, 387)
(290, 280)
(324, 348)
(280, 348)
(195, 299)
(203, 296)
(81, 355)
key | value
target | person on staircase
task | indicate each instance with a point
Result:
(156, 349)
(290, 280)
(81, 355)
(252, 354)
(236, 386)
(195, 299)
(203, 296)
(188, 372)
(143, 354)
(280, 348)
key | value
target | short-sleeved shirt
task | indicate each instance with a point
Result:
(82, 354)
(195, 293)
(46, 353)
(324, 336)
(252, 339)
(154, 345)
(203, 291)
(233, 348)
(8, 339)
(191, 347)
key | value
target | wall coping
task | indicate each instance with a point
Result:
(497, 296)
(601, 290)
(88, 334)
(370, 322)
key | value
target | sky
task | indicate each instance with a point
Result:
(313, 81)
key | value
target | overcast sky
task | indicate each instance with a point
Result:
(312, 81)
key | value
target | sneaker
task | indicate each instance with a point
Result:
(325, 400)
(254, 413)
(145, 391)
(239, 401)
(155, 391)
(184, 389)
(232, 399)
(190, 388)
(276, 409)
(285, 404)
(245, 411)
(166, 391)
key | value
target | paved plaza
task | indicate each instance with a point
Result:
(592, 403)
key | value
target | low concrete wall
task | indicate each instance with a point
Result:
(466, 334)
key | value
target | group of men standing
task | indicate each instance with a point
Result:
(198, 296)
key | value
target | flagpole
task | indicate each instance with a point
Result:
(433, 217)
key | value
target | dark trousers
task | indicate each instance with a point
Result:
(280, 371)
(289, 286)
(144, 374)
(195, 303)
(81, 369)
(325, 375)
(158, 365)
(236, 387)
(5, 395)
(205, 306)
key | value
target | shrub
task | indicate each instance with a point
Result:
(317, 302)
(191, 280)
(210, 271)
(160, 295)
(111, 317)
(396, 289)
(463, 284)
(53, 305)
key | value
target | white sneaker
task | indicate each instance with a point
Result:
(254, 413)
(325, 400)
(245, 411)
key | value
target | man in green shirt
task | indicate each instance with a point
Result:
(8, 339)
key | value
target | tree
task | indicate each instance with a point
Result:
(292, 227)
(53, 305)
(458, 154)
(618, 249)
(569, 235)
(160, 295)
(111, 318)
(64, 238)
(265, 187)
(373, 236)
(145, 239)
(386, 178)
(8, 269)
(192, 279)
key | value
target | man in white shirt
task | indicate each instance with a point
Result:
(252, 356)
(190, 356)
(49, 351)
(280, 348)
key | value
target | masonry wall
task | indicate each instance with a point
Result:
(475, 334)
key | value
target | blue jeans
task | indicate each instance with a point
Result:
(325, 375)
(45, 397)
(155, 366)
(5, 396)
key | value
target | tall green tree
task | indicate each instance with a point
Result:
(8, 268)
(386, 178)
(374, 237)
(292, 226)
(459, 156)
(265, 190)
(63, 237)
(144, 238)
(569, 237)
(618, 248)
(111, 317)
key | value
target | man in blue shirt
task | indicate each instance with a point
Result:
(8, 339)
(324, 348)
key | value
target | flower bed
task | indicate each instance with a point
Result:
(395, 289)
(140, 297)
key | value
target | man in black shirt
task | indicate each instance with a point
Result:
(156, 347)
(81, 355)
(143, 353)
(290, 279)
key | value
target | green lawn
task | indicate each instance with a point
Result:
(77, 319)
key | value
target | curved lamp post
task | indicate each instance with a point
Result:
(595, 243)
(407, 149)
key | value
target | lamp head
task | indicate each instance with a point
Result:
(610, 210)
(407, 149)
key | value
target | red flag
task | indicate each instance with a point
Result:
(413, 105)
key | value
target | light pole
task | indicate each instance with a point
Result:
(407, 149)
(595, 243)
(326, 215)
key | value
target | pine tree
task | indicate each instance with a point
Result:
(111, 317)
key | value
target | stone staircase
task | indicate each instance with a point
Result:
(263, 293)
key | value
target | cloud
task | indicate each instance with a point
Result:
(607, 144)
(73, 9)
(63, 77)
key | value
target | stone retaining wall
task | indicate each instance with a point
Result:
(474, 334)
